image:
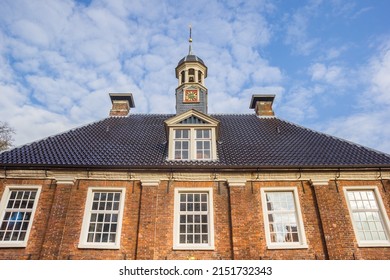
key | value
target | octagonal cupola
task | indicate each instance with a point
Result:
(191, 92)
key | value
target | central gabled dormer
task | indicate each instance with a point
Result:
(191, 92)
(192, 135)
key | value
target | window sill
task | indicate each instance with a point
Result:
(13, 245)
(99, 246)
(373, 245)
(193, 248)
(287, 247)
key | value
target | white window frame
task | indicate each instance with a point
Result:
(87, 216)
(3, 207)
(176, 232)
(192, 142)
(203, 140)
(382, 214)
(302, 244)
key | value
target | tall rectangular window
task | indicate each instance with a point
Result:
(283, 221)
(193, 219)
(17, 209)
(203, 143)
(102, 219)
(369, 219)
(182, 143)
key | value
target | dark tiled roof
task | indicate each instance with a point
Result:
(191, 58)
(139, 141)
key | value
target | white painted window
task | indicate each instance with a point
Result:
(182, 143)
(282, 218)
(193, 144)
(17, 209)
(193, 223)
(369, 219)
(203, 143)
(102, 221)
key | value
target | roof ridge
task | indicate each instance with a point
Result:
(232, 114)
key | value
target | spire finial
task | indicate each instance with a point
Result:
(190, 41)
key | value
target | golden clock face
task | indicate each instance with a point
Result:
(191, 95)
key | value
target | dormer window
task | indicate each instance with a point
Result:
(192, 143)
(203, 143)
(182, 143)
(192, 136)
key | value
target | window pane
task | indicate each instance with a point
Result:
(104, 217)
(192, 226)
(366, 216)
(177, 133)
(282, 217)
(16, 218)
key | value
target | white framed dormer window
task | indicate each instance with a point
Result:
(193, 144)
(192, 136)
(102, 223)
(282, 218)
(193, 219)
(182, 144)
(369, 218)
(17, 210)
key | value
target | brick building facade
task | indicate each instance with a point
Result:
(194, 186)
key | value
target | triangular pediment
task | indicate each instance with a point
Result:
(192, 117)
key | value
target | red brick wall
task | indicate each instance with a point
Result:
(338, 228)
(157, 216)
(248, 223)
(147, 228)
(69, 244)
(40, 224)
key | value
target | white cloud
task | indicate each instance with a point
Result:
(31, 32)
(335, 52)
(368, 127)
(298, 103)
(333, 74)
(379, 73)
(69, 56)
(297, 24)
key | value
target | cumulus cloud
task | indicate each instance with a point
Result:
(297, 25)
(62, 58)
(298, 103)
(379, 73)
(367, 126)
(333, 74)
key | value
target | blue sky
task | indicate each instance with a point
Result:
(327, 62)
